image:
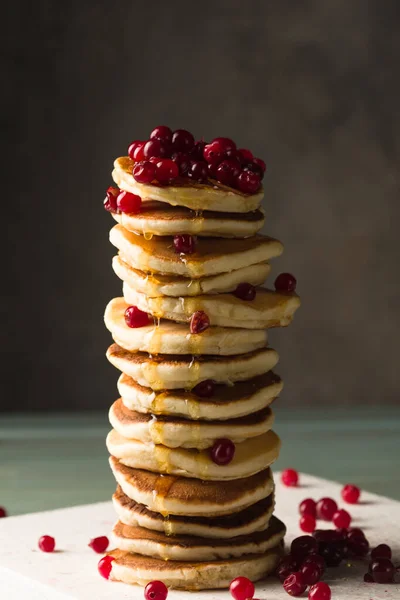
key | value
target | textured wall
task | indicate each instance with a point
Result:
(311, 86)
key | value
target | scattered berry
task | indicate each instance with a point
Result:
(248, 182)
(351, 494)
(128, 203)
(355, 533)
(333, 555)
(295, 585)
(162, 133)
(199, 322)
(104, 566)
(245, 291)
(144, 172)
(47, 543)
(204, 389)
(182, 141)
(198, 171)
(308, 507)
(315, 559)
(3, 512)
(358, 548)
(285, 282)
(382, 570)
(155, 590)
(290, 477)
(341, 519)
(329, 536)
(99, 544)
(307, 523)
(133, 146)
(326, 508)
(222, 451)
(303, 545)
(241, 588)
(319, 591)
(185, 244)
(311, 572)
(381, 551)
(134, 317)
(166, 170)
(368, 578)
(287, 565)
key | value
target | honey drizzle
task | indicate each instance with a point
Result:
(161, 490)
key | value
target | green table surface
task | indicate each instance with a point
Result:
(51, 461)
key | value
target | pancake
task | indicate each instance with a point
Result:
(254, 518)
(156, 284)
(251, 456)
(175, 338)
(190, 576)
(174, 372)
(159, 218)
(212, 255)
(228, 401)
(268, 309)
(190, 497)
(211, 195)
(191, 548)
(184, 433)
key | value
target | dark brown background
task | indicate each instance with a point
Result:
(311, 86)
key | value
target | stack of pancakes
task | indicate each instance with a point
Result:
(184, 519)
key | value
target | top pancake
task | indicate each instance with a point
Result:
(212, 196)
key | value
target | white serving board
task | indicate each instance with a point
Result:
(71, 572)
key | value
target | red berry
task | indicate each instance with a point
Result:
(99, 544)
(303, 546)
(144, 172)
(110, 201)
(199, 322)
(285, 282)
(329, 536)
(368, 578)
(382, 570)
(286, 566)
(358, 548)
(133, 146)
(248, 182)
(162, 133)
(294, 585)
(254, 168)
(47, 543)
(154, 148)
(196, 152)
(315, 559)
(311, 572)
(341, 519)
(351, 494)
(185, 244)
(326, 508)
(320, 591)
(307, 523)
(104, 566)
(138, 152)
(354, 534)
(260, 163)
(290, 477)
(381, 551)
(218, 145)
(134, 317)
(227, 171)
(204, 389)
(333, 555)
(222, 451)
(155, 590)
(308, 507)
(245, 155)
(198, 171)
(3, 512)
(182, 140)
(128, 203)
(245, 291)
(182, 159)
(166, 170)
(241, 588)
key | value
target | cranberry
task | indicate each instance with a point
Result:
(199, 322)
(341, 519)
(358, 548)
(308, 507)
(245, 291)
(162, 133)
(138, 152)
(326, 507)
(227, 171)
(311, 572)
(155, 590)
(307, 523)
(196, 152)
(295, 585)
(3, 512)
(223, 451)
(104, 566)
(198, 171)
(218, 145)
(47, 543)
(254, 168)
(133, 146)
(287, 565)
(260, 163)
(315, 559)
(248, 182)
(329, 536)
(285, 282)
(245, 155)
(319, 591)
(303, 545)
(381, 551)
(204, 389)
(354, 534)
(182, 141)
(350, 494)
(110, 201)
(128, 203)
(134, 317)
(382, 570)
(185, 244)
(290, 477)
(368, 578)
(214, 163)
(182, 159)
(333, 555)
(241, 588)
(144, 172)
(154, 148)
(166, 170)
(99, 544)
